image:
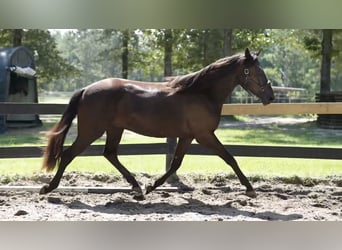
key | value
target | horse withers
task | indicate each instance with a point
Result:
(185, 107)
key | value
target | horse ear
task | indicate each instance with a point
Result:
(248, 54)
(258, 53)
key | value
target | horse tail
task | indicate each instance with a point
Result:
(56, 136)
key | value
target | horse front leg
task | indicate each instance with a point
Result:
(211, 142)
(181, 148)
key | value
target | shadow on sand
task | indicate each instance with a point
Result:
(227, 211)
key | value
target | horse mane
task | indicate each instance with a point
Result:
(194, 80)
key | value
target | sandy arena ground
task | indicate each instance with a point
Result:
(216, 198)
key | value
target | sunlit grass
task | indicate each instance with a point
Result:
(304, 134)
(206, 165)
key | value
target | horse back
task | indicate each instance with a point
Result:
(147, 108)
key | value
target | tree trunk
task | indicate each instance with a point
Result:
(227, 51)
(227, 42)
(326, 61)
(124, 55)
(17, 37)
(168, 52)
(205, 40)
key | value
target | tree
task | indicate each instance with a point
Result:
(100, 53)
(195, 48)
(325, 44)
(96, 54)
(168, 42)
(6, 38)
(326, 61)
(254, 39)
(227, 42)
(11, 37)
(227, 50)
(49, 63)
(121, 48)
(124, 54)
(287, 60)
(112, 48)
(17, 37)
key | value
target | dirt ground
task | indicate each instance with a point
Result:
(199, 198)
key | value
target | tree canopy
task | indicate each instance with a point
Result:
(50, 65)
(73, 59)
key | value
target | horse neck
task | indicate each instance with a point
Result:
(218, 87)
(222, 89)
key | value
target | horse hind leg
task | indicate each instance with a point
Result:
(87, 133)
(68, 155)
(111, 154)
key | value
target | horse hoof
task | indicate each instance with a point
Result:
(148, 189)
(138, 193)
(44, 189)
(251, 194)
(139, 197)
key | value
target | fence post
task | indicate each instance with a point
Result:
(171, 147)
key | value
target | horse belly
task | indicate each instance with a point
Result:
(173, 116)
(153, 119)
(157, 126)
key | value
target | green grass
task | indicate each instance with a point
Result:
(206, 165)
(306, 134)
(23, 140)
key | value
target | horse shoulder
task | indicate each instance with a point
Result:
(201, 113)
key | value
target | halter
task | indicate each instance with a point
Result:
(244, 85)
(246, 72)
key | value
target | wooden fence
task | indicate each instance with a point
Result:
(163, 148)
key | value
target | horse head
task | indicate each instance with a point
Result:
(253, 78)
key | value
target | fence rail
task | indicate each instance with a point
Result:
(228, 109)
(283, 108)
(32, 108)
(195, 149)
(162, 148)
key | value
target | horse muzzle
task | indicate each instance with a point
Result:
(267, 100)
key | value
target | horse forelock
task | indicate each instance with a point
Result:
(185, 82)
